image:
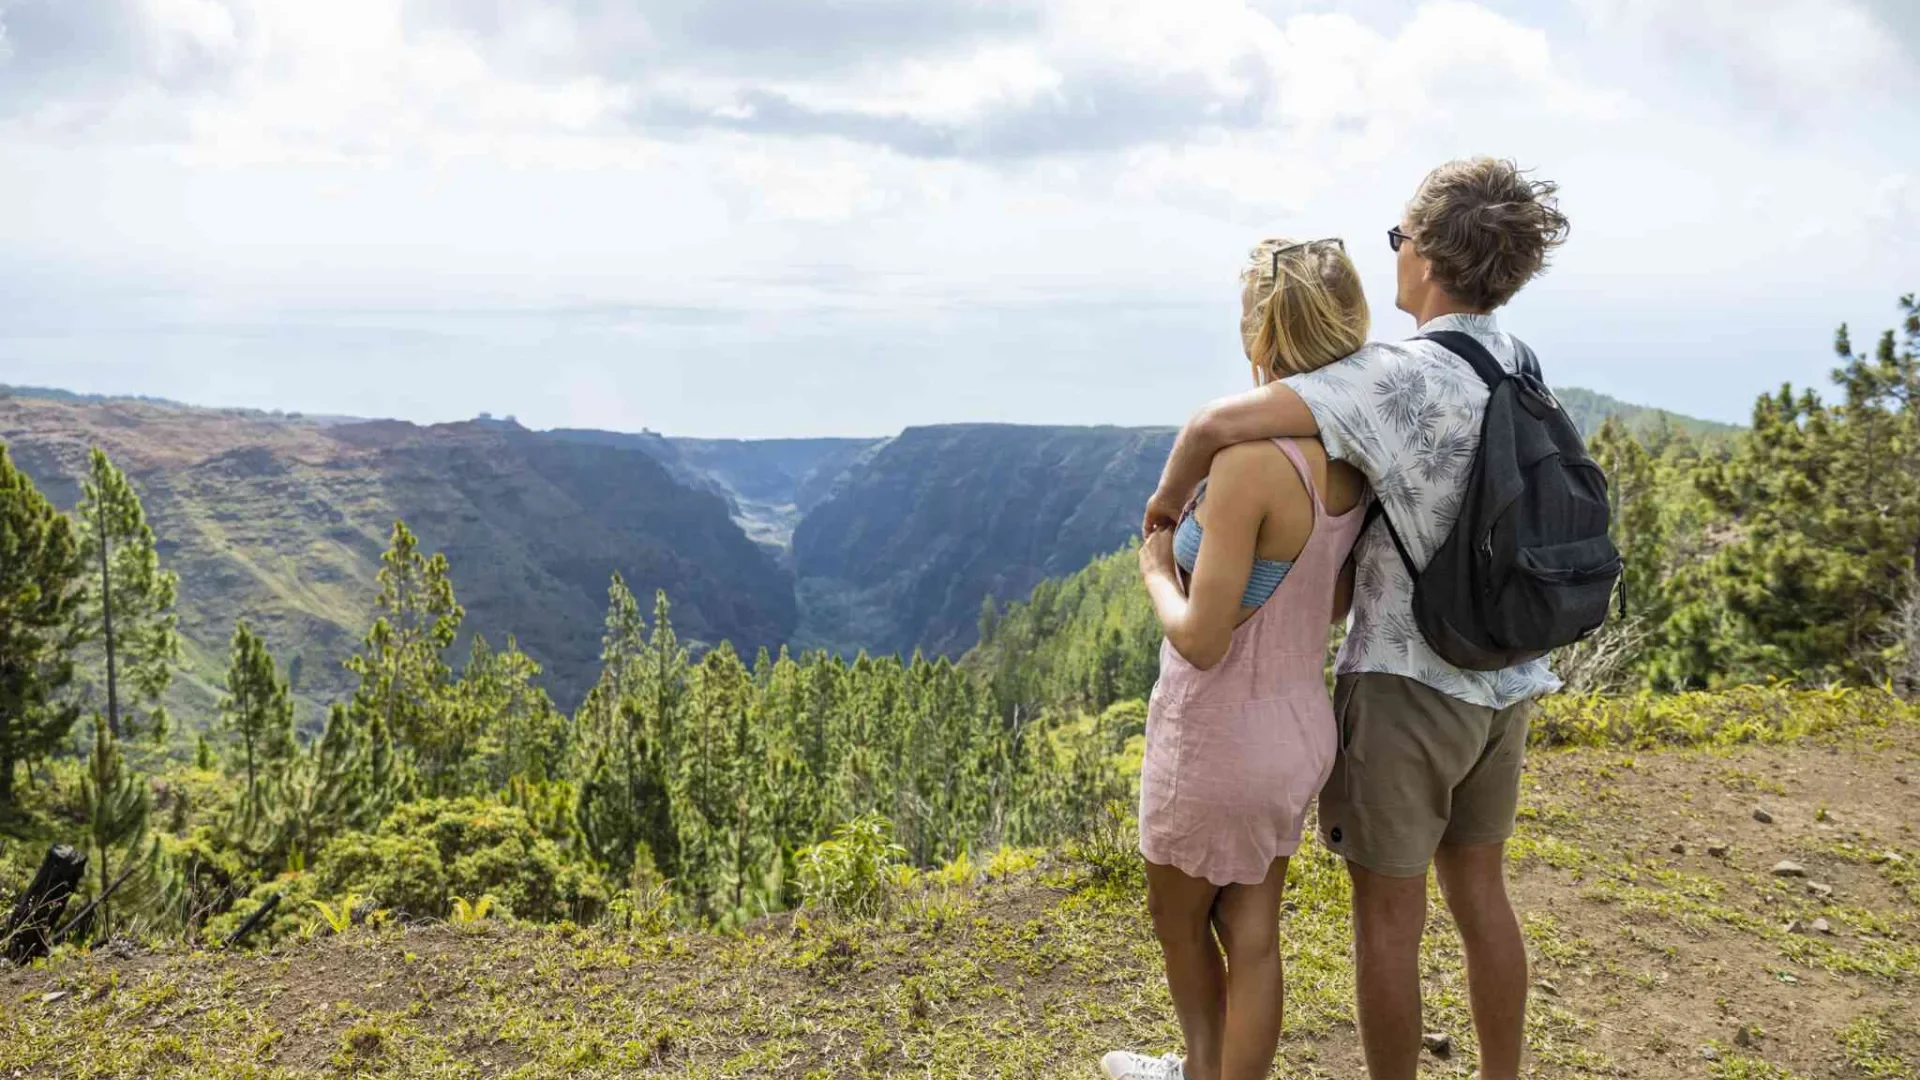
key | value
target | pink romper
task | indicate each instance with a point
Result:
(1235, 754)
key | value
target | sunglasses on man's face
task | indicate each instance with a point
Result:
(1395, 238)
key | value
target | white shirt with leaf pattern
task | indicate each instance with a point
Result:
(1407, 414)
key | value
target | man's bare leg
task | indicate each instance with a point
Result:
(1473, 879)
(1389, 914)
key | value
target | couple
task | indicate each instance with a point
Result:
(1415, 761)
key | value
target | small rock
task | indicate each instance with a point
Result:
(1439, 1044)
(1788, 868)
(50, 998)
(1678, 848)
(1718, 848)
(1547, 988)
(1820, 927)
(1888, 858)
(1899, 779)
(1794, 927)
(1820, 889)
(1710, 1053)
(1762, 816)
(1744, 1037)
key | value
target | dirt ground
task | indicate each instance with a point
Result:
(1667, 941)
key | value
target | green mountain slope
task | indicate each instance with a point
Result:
(769, 484)
(283, 522)
(923, 528)
(1589, 410)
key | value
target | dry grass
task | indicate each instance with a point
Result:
(1651, 962)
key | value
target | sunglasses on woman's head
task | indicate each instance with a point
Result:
(1395, 238)
(1277, 252)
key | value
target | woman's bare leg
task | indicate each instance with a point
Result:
(1249, 921)
(1182, 909)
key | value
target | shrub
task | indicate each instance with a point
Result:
(426, 852)
(1109, 849)
(848, 874)
(1748, 714)
(294, 914)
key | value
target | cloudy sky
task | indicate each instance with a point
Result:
(776, 217)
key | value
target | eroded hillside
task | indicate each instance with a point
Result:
(283, 522)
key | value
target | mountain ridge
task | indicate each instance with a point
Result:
(883, 545)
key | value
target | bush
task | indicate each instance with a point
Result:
(848, 874)
(1747, 714)
(295, 913)
(425, 853)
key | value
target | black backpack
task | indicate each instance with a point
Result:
(1529, 566)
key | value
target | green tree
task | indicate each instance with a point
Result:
(257, 714)
(129, 609)
(624, 807)
(502, 724)
(1822, 512)
(401, 701)
(40, 593)
(116, 804)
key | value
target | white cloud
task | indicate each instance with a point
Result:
(864, 189)
(1792, 54)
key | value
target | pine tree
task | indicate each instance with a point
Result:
(129, 609)
(404, 679)
(41, 579)
(256, 713)
(116, 805)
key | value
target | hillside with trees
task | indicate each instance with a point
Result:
(282, 522)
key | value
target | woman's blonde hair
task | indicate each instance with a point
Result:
(1309, 309)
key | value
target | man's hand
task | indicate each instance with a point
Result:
(1163, 512)
(1273, 411)
(1156, 554)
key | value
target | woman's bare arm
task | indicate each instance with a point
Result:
(1200, 621)
(1271, 412)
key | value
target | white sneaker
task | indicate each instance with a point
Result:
(1121, 1065)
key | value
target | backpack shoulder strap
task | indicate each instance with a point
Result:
(1529, 363)
(1378, 509)
(1466, 347)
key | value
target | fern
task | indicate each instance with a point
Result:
(339, 919)
(466, 914)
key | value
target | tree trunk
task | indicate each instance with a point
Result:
(106, 622)
(26, 937)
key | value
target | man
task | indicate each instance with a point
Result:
(1428, 771)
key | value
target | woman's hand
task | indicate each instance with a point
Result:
(1156, 554)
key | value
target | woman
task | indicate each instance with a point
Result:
(1240, 731)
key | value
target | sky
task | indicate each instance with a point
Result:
(763, 218)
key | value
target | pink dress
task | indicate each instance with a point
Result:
(1235, 754)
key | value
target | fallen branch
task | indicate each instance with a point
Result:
(253, 921)
(60, 935)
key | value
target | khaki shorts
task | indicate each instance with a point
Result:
(1417, 768)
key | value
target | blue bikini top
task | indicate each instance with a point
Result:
(1267, 573)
